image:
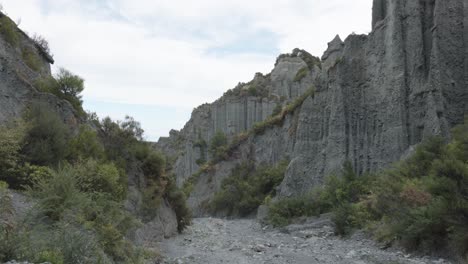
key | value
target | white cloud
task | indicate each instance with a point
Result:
(157, 52)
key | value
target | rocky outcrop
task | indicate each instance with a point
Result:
(238, 110)
(17, 79)
(377, 96)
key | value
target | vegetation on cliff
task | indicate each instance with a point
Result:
(221, 148)
(421, 203)
(247, 188)
(76, 176)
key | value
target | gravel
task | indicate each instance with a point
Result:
(244, 241)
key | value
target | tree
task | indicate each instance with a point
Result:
(132, 128)
(70, 84)
(47, 139)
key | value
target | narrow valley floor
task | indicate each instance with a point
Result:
(215, 241)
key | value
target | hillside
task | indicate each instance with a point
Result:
(73, 188)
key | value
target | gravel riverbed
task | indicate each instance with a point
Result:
(245, 241)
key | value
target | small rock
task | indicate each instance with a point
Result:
(259, 248)
(351, 254)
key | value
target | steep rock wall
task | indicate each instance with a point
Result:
(377, 96)
(237, 111)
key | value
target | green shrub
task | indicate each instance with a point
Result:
(9, 31)
(202, 145)
(95, 221)
(86, 145)
(97, 177)
(260, 127)
(277, 110)
(152, 197)
(177, 199)
(122, 140)
(51, 256)
(246, 188)
(11, 141)
(47, 85)
(301, 74)
(59, 195)
(281, 212)
(154, 165)
(27, 175)
(47, 138)
(13, 170)
(337, 194)
(253, 91)
(31, 59)
(422, 202)
(218, 146)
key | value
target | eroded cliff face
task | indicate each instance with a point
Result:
(17, 79)
(238, 110)
(377, 96)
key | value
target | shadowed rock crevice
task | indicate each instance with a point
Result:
(379, 11)
(427, 17)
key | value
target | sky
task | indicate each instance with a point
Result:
(157, 60)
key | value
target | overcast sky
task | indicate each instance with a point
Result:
(158, 59)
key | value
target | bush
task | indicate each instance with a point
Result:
(246, 188)
(277, 110)
(177, 199)
(11, 140)
(27, 175)
(154, 165)
(337, 194)
(7, 228)
(96, 177)
(9, 31)
(281, 212)
(86, 145)
(218, 145)
(301, 74)
(253, 91)
(421, 203)
(202, 145)
(41, 43)
(260, 127)
(93, 220)
(121, 140)
(31, 59)
(47, 138)
(426, 202)
(47, 85)
(152, 197)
